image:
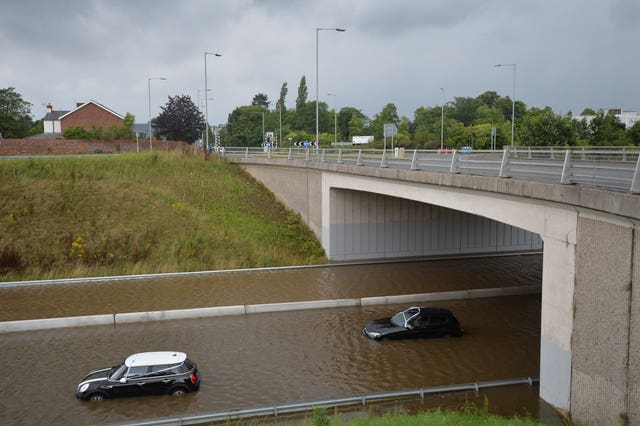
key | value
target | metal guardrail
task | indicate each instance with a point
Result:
(606, 167)
(299, 407)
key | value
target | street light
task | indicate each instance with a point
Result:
(317, 91)
(200, 91)
(513, 101)
(206, 103)
(149, 84)
(442, 122)
(335, 117)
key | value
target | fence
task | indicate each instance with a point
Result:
(299, 407)
(615, 168)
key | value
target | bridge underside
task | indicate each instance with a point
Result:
(590, 338)
(365, 225)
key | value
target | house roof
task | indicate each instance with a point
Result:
(54, 115)
(95, 103)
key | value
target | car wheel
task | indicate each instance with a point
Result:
(178, 392)
(96, 397)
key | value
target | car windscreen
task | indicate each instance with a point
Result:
(117, 373)
(398, 319)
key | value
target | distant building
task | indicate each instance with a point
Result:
(85, 115)
(628, 118)
(90, 114)
(51, 121)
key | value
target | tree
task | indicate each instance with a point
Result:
(15, 114)
(283, 94)
(180, 119)
(588, 111)
(388, 115)
(260, 100)
(542, 127)
(345, 117)
(244, 126)
(606, 129)
(301, 100)
(633, 134)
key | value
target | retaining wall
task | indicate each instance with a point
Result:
(12, 147)
(177, 314)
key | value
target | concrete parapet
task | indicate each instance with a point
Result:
(178, 314)
(51, 323)
(296, 306)
(131, 317)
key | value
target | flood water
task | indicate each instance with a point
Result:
(272, 358)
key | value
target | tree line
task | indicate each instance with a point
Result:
(467, 122)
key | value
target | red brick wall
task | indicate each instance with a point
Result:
(88, 116)
(77, 146)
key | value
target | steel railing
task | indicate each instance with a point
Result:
(300, 407)
(607, 167)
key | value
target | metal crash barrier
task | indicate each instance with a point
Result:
(299, 407)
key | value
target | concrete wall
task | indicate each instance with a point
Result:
(298, 188)
(605, 332)
(366, 225)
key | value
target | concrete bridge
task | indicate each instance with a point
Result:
(590, 331)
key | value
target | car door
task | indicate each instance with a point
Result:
(131, 384)
(421, 326)
(161, 378)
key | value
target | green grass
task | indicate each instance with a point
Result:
(141, 213)
(469, 415)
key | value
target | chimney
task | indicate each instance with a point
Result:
(49, 107)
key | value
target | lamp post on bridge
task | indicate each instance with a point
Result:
(513, 101)
(317, 78)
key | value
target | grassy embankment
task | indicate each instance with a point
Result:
(141, 213)
(468, 415)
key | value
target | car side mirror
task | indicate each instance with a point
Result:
(123, 380)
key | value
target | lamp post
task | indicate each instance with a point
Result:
(513, 101)
(280, 111)
(335, 117)
(200, 91)
(149, 84)
(206, 103)
(442, 121)
(317, 78)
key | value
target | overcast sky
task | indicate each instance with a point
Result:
(570, 54)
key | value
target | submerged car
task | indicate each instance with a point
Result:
(415, 322)
(145, 373)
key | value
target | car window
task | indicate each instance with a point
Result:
(421, 322)
(438, 320)
(160, 370)
(179, 368)
(137, 371)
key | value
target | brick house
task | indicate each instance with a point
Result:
(90, 114)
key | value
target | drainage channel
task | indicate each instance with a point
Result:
(306, 406)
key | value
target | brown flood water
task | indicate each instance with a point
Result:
(19, 302)
(266, 359)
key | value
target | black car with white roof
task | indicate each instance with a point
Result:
(145, 373)
(415, 322)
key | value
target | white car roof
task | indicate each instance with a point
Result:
(155, 358)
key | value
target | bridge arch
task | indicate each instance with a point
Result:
(555, 223)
